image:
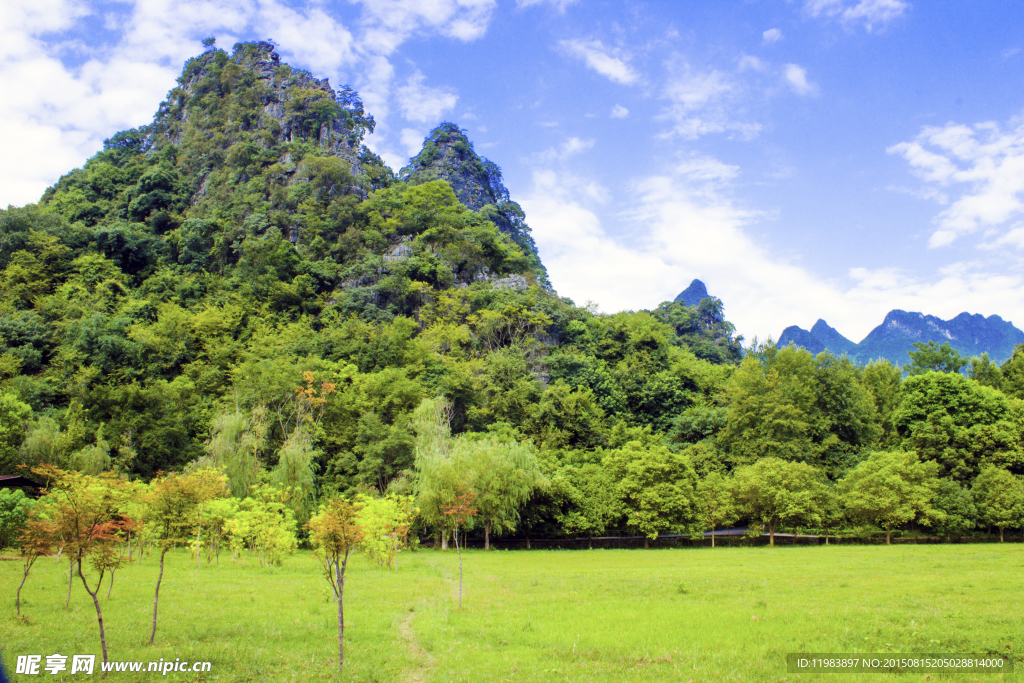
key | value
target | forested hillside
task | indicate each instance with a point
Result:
(243, 285)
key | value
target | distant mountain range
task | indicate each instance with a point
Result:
(971, 335)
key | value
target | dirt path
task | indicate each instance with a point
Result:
(424, 662)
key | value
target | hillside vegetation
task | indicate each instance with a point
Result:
(243, 285)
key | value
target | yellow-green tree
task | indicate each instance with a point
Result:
(334, 534)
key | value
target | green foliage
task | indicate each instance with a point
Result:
(892, 488)
(930, 357)
(774, 493)
(657, 488)
(14, 510)
(14, 415)
(958, 424)
(999, 497)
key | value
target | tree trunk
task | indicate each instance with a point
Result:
(339, 573)
(590, 542)
(111, 586)
(1000, 534)
(712, 537)
(156, 596)
(199, 534)
(17, 599)
(771, 536)
(647, 543)
(487, 535)
(527, 542)
(459, 551)
(888, 534)
(96, 602)
(444, 539)
(71, 577)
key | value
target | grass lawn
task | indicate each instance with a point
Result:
(730, 614)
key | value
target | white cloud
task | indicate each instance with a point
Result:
(422, 103)
(570, 147)
(983, 162)
(619, 112)
(680, 227)
(609, 62)
(412, 141)
(872, 14)
(560, 5)
(772, 35)
(750, 63)
(703, 168)
(389, 23)
(796, 77)
(56, 111)
(699, 103)
(1009, 52)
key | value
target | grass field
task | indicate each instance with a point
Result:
(729, 614)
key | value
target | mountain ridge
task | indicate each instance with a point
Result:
(970, 334)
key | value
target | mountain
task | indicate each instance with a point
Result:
(692, 295)
(971, 335)
(448, 155)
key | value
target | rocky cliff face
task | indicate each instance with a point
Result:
(448, 155)
(971, 335)
(280, 104)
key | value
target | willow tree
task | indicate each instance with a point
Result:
(439, 477)
(503, 475)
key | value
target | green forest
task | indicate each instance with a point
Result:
(243, 288)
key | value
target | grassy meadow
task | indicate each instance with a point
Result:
(729, 614)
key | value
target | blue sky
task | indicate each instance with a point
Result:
(805, 159)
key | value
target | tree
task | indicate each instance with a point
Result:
(174, 504)
(715, 503)
(36, 540)
(891, 488)
(15, 508)
(458, 512)
(657, 487)
(956, 503)
(884, 381)
(985, 371)
(504, 475)
(930, 357)
(438, 477)
(14, 415)
(775, 492)
(386, 523)
(334, 533)
(82, 509)
(960, 424)
(1000, 498)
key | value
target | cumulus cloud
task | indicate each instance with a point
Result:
(422, 103)
(63, 96)
(619, 112)
(609, 62)
(872, 14)
(983, 163)
(682, 224)
(772, 35)
(796, 78)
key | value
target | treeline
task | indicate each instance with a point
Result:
(241, 286)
